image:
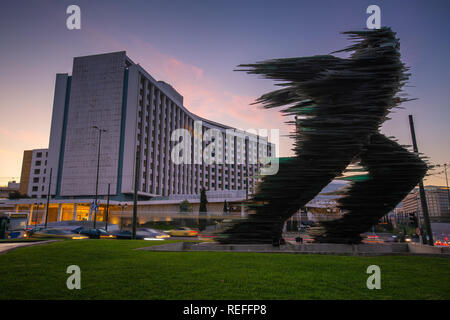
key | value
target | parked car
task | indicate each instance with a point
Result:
(152, 233)
(57, 233)
(96, 233)
(183, 232)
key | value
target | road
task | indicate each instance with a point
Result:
(8, 246)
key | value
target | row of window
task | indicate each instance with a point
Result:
(35, 188)
(38, 171)
(38, 163)
(170, 116)
(39, 154)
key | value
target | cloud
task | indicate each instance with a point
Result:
(204, 95)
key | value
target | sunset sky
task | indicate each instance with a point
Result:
(195, 45)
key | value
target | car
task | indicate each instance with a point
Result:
(77, 229)
(97, 233)
(29, 231)
(183, 232)
(57, 233)
(414, 239)
(152, 233)
(126, 234)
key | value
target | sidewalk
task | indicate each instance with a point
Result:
(6, 247)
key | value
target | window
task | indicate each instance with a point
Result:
(35, 188)
(36, 180)
(37, 171)
(39, 155)
(38, 163)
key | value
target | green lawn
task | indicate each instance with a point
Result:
(110, 269)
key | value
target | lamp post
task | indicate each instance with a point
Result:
(48, 197)
(423, 198)
(107, 208)
(98, 167)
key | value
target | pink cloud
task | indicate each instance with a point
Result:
(203, 93)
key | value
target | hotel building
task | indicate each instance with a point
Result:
(138, 116)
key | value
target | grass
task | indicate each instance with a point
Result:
(110, 269)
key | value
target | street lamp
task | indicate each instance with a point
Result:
(98, 166)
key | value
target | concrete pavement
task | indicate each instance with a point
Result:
(8, 246)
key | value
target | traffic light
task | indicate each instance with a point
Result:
(413, 219)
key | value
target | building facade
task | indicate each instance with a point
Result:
(12, 186)
(140, 119)
(34, 176)
(437, 201)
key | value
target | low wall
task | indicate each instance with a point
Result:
(424, 249)
(312, 248)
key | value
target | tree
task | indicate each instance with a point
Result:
(203, 210)
(185, 206)
(203, 202)
(225, 208)
(14, 194)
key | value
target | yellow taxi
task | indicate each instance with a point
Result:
(183, 232)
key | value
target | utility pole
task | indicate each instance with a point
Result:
(246, 188)
(423, 198)
(98, 167)
(48, 197)
(136, 182)
(446, 180)
(107, 208)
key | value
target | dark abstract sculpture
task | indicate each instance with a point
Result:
(340, 105)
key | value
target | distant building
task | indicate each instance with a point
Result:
(437, 201)
(33, 179)
(12, 186)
